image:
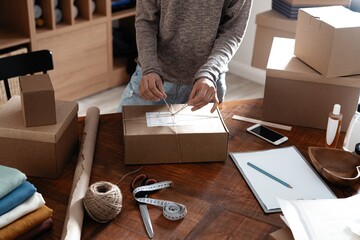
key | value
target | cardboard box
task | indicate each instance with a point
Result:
(269, 24)
(196, 137)
(38, 151)
(37, 100)
(327, 39)
(281, 234)
(296, 94)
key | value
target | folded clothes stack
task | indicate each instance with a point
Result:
(23, 213)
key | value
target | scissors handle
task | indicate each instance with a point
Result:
(142, 180)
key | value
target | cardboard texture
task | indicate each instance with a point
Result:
(38, 100)
(203, 139)
(41, 151)
(269, 24)
(296, 94)
(327, 39)
(281, 234)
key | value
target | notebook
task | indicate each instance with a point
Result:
(286, 164)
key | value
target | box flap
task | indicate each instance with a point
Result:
(12, 124)
(35, 83)
(335, 16)
(284, 64)
(200, 121)
(276, 20)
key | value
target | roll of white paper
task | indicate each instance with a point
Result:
(75, 212)
(75, 11)
(58, 15)
(37, 11)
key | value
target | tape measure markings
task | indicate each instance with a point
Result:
(171, 210)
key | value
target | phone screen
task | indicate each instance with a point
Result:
(267, 133)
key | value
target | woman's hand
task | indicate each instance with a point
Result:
(151, 87)
(202, 93)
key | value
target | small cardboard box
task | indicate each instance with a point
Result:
(296, 94)
(269, 24)
(41, 151)
(327, 39)
(151, 136)
(38, 100)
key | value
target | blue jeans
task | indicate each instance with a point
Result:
(176, 93)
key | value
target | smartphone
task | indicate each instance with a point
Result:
(267, 134)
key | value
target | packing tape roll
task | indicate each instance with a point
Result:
(171, 210)
(75, 211)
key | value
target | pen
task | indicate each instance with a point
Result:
(269, 175)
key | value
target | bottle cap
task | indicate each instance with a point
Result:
(357, 148)
(336, 109)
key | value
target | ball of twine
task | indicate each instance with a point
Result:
(103, 201)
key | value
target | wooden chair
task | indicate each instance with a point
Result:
(23, 64)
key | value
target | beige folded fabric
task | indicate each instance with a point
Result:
(26, 223)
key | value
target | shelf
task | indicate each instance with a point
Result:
(10, 39)
(81, 46)
(120, 76)
(123, 14)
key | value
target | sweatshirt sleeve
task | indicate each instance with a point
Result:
(146, 23)
(230, 34)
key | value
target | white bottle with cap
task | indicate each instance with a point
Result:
(333, 127)
(352, 136)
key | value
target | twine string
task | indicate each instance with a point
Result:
(103, 200)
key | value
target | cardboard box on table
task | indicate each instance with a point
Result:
(41, 151)
(269, 24)
(327, 39)
(196, 137)
(296, 94)
(37, 100)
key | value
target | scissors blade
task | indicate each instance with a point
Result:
(146, 219)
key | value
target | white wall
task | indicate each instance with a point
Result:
(241, 62)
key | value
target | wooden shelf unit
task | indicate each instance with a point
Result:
(81, 43)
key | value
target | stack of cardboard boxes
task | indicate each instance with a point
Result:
(38, 134)
(307, 75)
(277, 23)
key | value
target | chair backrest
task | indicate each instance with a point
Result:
(23, 64)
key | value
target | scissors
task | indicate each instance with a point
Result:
(142, 180)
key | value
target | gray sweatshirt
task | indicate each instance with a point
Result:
(184, 40)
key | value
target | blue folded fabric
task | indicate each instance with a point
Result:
(16, 197)
(10, 178)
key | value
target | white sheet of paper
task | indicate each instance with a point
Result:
(323, 218)
(156, 119)
(286, 164)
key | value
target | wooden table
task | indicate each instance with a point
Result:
(220, 204)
